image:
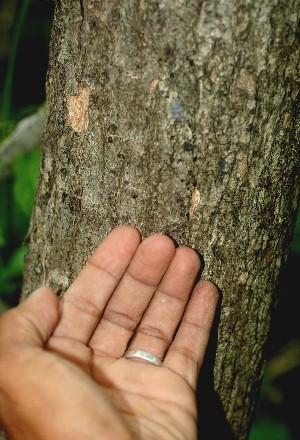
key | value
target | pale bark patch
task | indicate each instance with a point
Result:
(153, 85)
(247, 82)
(195, 202)
(78, 110)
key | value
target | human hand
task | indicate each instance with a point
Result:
(63, 374)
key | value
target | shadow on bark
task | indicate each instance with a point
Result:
(212, 423)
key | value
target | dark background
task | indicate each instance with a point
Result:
(24, 39)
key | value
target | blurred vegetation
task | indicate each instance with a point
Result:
(24, 37)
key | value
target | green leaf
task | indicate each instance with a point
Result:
(16, 262)
(268, 429)
(3, 220)
(6, 128)
(26, 170)
(11, 273)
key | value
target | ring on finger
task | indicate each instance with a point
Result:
(145, 355)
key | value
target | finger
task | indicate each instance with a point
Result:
(132, 296)
(186, 353)
(73, 350)
(32, 322)
(84, 302)
(160, 321)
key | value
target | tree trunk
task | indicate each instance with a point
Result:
(177, 117)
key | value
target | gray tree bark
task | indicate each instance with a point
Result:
(177, 117)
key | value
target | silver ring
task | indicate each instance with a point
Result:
(145, 355)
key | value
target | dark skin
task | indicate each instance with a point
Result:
(62, 371)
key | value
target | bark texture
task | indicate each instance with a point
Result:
(177, 117)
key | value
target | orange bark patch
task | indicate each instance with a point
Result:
(195, 201)
(78, 110)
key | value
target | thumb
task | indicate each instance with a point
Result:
(32, 322)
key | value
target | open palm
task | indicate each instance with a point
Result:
(131, 295)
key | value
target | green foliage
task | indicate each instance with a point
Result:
(25, 179)
(268, 429)
(17, 192)
(6, 127)
(11, 273)
(8, 83)
(16, 202)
